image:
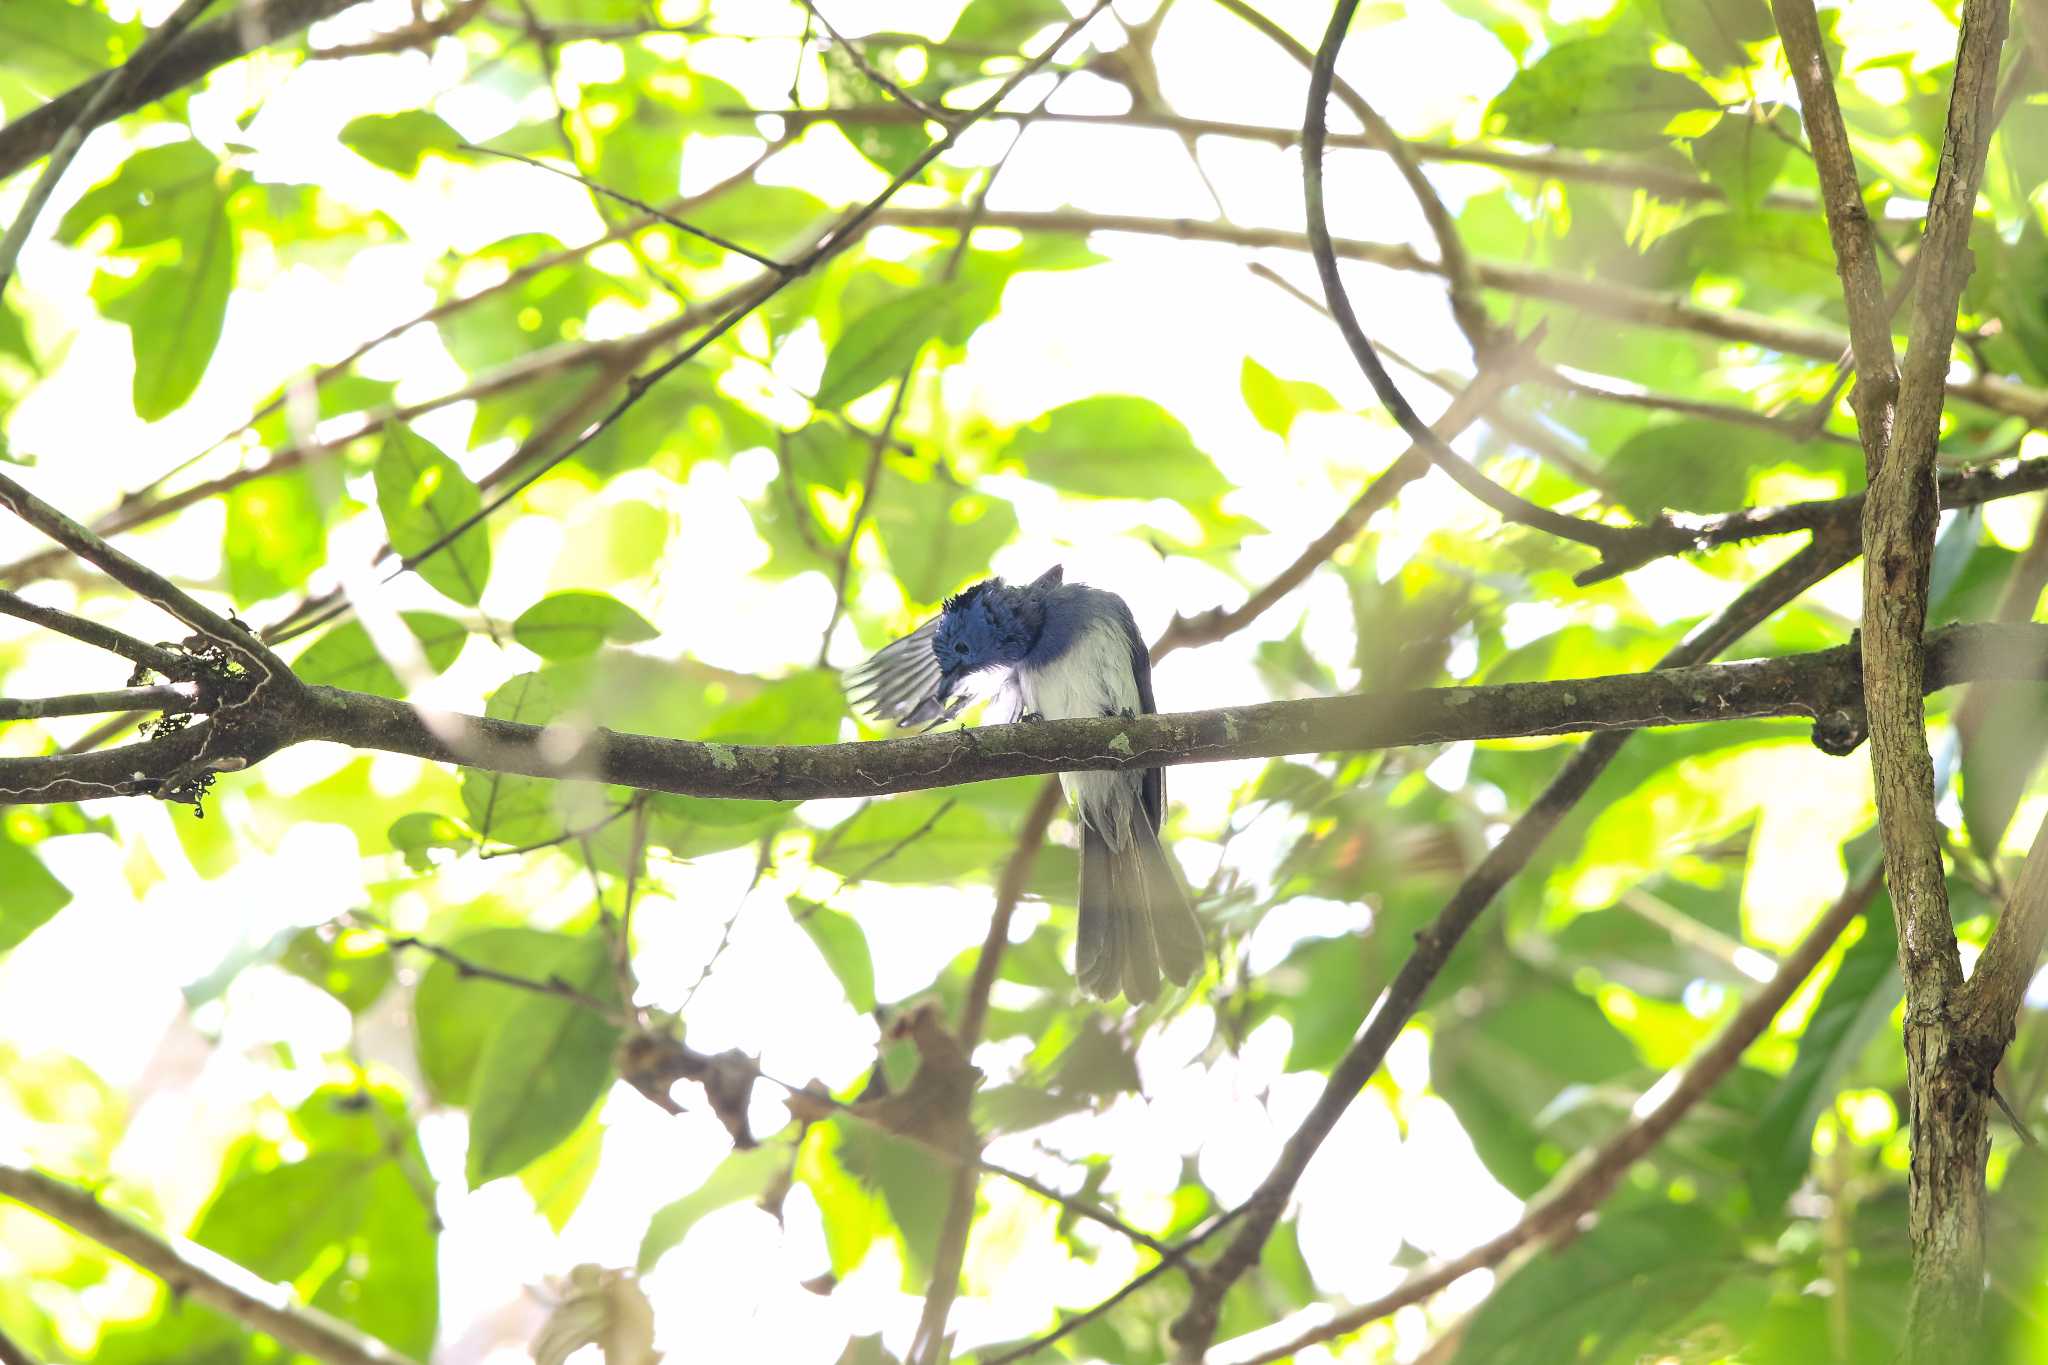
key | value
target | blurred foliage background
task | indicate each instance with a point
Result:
(293, 319)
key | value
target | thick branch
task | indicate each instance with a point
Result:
(1870, 330)
(251, 25)
(190, 1271)
(1820, 686)
(1949, 1075)
(122, 78)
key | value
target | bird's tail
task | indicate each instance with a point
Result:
(1135, 919)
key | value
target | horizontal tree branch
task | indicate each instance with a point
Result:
(1603, 298)
(1658, 180)
(1822, 686)
(193, 1272)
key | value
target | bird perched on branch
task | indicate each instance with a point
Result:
(1053, 651)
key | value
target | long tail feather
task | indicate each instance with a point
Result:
(1135, 919)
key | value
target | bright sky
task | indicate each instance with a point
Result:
(1166, 320)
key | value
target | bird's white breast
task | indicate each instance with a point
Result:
(1093, 678)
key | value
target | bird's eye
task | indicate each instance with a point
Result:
(959, 649)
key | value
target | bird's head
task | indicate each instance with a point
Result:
(990, 625)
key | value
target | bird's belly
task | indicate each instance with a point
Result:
(1091, 679)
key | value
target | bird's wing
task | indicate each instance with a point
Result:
(900, 683)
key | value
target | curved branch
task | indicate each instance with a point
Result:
(190, 1271)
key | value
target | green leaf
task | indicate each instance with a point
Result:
(1501, 1069)
(926, 837)
(346, 656)
(1594, 92)
(418, 832)
(1857, 1002)
(1741, 156)
(286, 1221)
(879, 345)
(399, 142)
(747, 1174)
(353, 965)
(558, 1181)
(276, 536)
(424, 495)
(32, 895)
(567, 625)
(844, 947)
(1717, 32)
(158, 195)
(1116, 447)
(1687, 465)
(1006, 24)
(543, 1067)
(936, 533)
(455, 1015)
(1275, 402)
(173, 309)
(54, 44)
(1606, 1294)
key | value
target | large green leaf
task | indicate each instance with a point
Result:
(568, 625)
(455, 1014)
(53, 44)
(547, 1062)
(744, 1174)
(283, 1221)
(398, 142)
(1595, 92)
(878, 345)
(346, 656)
(930, 836)
(1858, 1000)
(424, 496)
(937, 534)
(844, 947)
(276, 536)
(1116, 447)
(32, 894)
(1608, 1294)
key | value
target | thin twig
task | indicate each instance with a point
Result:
(1466, 306)
(847, 230)
(1662, 181)
(662, 215)
(166, 697)
(868, 69)
(469, 968)
(168, 662)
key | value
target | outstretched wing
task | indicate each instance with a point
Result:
(901, 681)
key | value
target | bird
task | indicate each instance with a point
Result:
(1053, 650)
